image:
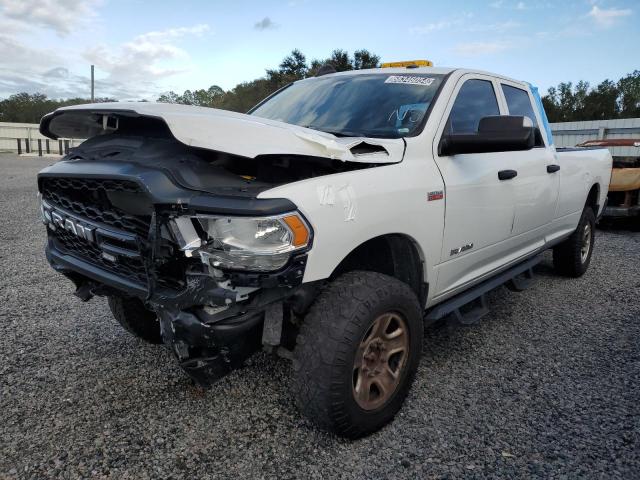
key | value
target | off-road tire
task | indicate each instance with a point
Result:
(568, 258)
(135, 318)
(326, 347)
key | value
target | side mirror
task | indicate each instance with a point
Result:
(506, 133)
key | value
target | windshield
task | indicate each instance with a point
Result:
(364, 105)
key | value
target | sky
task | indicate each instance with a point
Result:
(142, 49)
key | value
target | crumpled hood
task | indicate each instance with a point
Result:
(222, 131)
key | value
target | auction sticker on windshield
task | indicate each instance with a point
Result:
(409, 80)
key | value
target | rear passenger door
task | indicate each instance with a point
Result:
(536, 186)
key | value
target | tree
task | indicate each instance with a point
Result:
(579, 100)
(30, 108)
(340, 60)
(602, 103)
(629, 95)
(169, 97)
(294, 65)
(201, 98)
(551, 105)
(364, 59)
(608, 100)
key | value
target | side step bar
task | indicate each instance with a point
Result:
(478, 293)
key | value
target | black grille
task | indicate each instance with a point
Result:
(89, 198)
(91, 201)
(132, 268)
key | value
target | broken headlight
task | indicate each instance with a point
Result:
(252, 244)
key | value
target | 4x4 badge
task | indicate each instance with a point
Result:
(435, 195)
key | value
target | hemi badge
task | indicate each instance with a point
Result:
(437, 195)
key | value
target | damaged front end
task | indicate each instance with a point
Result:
(209, 290)
(237, 275)
(212, 265)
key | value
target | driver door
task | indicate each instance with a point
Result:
(479, 207)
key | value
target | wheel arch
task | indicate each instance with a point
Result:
(593, 198)
(395, 254)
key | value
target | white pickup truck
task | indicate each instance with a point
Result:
(327, 225)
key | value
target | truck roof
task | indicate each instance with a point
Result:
(423, 70)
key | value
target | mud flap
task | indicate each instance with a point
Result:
(209, 352)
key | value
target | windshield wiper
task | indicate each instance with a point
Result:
(333, 132)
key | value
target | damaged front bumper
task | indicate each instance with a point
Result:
(210, 331)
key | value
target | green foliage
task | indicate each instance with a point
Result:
(629, 95)
(364, 59)
(293, 67)
(30, 108)
(609, 100)
(200, 98)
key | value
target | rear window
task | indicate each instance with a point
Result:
(519, 103)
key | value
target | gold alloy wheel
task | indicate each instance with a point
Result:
(380, 360)
(586, 243)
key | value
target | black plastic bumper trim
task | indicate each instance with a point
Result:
(68, 262)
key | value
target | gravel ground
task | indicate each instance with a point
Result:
(547, 385)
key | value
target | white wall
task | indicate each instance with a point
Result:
(10, 132)
(570, 134)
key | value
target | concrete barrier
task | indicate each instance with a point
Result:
(25, 138)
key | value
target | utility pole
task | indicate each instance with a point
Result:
(92, 87)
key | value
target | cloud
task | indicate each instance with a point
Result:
(26, 69)
(15, 54)
(480, 48)
(59, 15)
(430, 27)
(607, 18)
(494, 27)
(142, 61)
(133, 68)
(30, 81)
(164, 35)
(57, 72)
(265, 24)
(521, 6)
(446, 24)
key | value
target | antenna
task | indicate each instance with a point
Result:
(92, 85)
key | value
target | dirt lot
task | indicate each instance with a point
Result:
(548, 385)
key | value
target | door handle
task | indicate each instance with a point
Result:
(507, 174)
(553, 168)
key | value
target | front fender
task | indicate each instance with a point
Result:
(347, 209)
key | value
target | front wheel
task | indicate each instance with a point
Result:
(357, 353)
(573, 256)
(136, 318)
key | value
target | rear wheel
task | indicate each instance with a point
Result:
(357, 353)
(573, 256)
(136, 318)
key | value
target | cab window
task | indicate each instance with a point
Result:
(519, 103)
(476, 99)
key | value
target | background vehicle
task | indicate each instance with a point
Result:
(327, 225)
(623, 199)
